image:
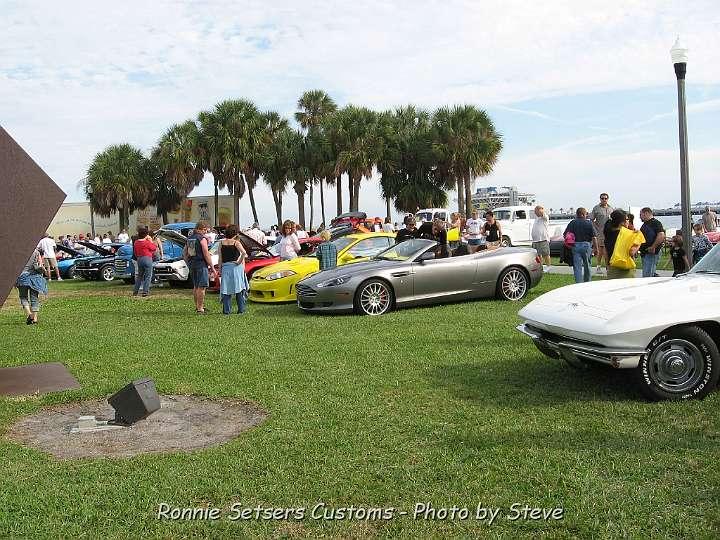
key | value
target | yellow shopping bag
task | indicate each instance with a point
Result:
(453, 235)
(621, 254)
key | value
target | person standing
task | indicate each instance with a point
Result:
(600, 214)
(387, 226)
(47, 248)
(197, 257)
(256, 234)
(709, 219)
(300, 232)
(700, 243)
(233, 281)
(678, 256)
(143, 249)
(616, 239)
(491, 230)
(585, 244)
(326, 252)
(540, 236)
(654, 234)
(123, 237)
(473, 226)
(31, 283)
(289, 244)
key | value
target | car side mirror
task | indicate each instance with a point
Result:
(427, 256)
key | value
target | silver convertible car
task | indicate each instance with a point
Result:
(408, 274)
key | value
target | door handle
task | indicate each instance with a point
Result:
(400, 274)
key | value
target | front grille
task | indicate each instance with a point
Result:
(305, 291)
(121, 264)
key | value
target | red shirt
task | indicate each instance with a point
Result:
(144, 248)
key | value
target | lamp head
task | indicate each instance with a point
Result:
(679, 53)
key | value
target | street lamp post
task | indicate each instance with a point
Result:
(92, 215)
(679, 59)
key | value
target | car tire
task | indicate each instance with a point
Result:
(374, 297)
(682, 363)
(513, 284)
(505, 241)
(70, 274)
(106, 273)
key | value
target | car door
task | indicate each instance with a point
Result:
(447, 277)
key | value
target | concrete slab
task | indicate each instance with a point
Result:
(36, 379)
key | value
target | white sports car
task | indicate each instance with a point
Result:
(666, 330)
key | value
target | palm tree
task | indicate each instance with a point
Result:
(314, 107)
(468, 146)
(178, 159)
(231, 134)
(360, 147)
(409, 173)
(120, 180)
(278, 164)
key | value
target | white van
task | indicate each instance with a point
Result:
(430, 214)
(516, 223)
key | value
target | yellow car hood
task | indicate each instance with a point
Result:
(299, 265)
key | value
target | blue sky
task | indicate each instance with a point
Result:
(583, 92)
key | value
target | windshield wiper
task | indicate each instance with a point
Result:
(705, 272)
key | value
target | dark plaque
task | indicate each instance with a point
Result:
(29, 200)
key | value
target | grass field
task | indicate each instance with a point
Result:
(447, 405)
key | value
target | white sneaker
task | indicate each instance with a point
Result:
(546, 268)
(59, 279)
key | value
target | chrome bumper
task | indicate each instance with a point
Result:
(574, 351)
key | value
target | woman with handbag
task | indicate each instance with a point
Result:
(621, 244)
(144, 249)
(31, 283)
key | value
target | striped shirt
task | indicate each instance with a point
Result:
(327, 255)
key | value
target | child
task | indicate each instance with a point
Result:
(679, 258)
(700, 243)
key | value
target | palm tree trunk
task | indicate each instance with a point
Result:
(301, 208)
(322, 203)
(277, 199)
(356, 194)
(164, 216)
(312, 204)
(236, 207)
(351, 185)
(338, 191)
(387, 207)
(252, 202)
(217, 201)
(461, 196)
(468, 195)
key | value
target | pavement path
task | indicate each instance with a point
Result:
(567, 270)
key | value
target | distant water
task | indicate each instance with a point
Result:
(671, 223)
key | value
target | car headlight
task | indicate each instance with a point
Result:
(335, 281)
(279, 275)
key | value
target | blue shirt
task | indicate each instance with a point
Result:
(582, 229)
(327, 255)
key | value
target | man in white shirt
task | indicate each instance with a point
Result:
(47, 248)
(123, 237)
(256, 234)
(540, 236)
(472, 230)
(300, 232)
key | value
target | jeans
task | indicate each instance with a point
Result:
(581, 256)
(33, 302)
(649, 264)
(144, 275)
(241, 299)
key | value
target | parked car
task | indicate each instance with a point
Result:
(408, 274)
(431, 214)
(352, 218)
(124, 265)
(664, 331)
(276, 283)
(100, 266)
(67, 257)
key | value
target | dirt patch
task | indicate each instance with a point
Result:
(183, 423)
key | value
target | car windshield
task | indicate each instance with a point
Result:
(710, 263)
(404, 250)
(502, 214)
(342, 242)
(424, 216)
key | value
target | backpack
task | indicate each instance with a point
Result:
(569, 239)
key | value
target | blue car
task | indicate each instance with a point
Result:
(66, 259)
(124, 265)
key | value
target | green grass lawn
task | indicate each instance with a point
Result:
(448, 405)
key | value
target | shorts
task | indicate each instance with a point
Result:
(50, 263)
(475, 241)
(542, 248)
(200, 277)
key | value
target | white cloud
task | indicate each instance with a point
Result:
(77, 76)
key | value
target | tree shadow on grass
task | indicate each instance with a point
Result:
(534, 382)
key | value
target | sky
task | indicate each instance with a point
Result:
(583, 93)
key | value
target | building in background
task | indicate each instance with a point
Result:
(74, 218)
(488, 198)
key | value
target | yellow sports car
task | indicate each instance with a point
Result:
(276, 283)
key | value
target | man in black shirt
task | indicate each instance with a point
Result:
(654, 234)
(410, 231)
(585, 244)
